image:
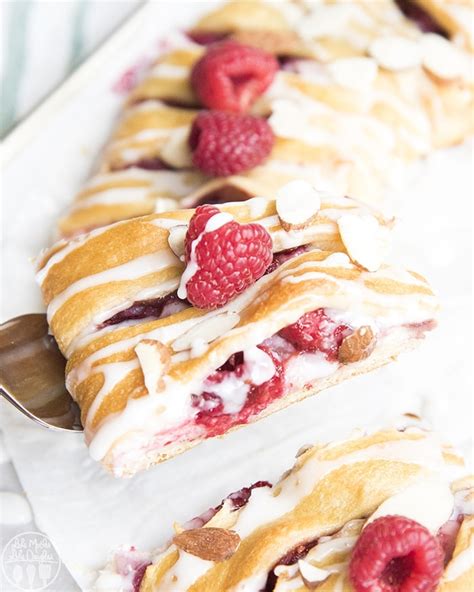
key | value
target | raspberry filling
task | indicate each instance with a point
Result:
(155, 308)
(205, 38)
(292, 557)
(235, 393)
(148, 164)
(418, 15)
(284, 256)
(447, 535)
(131, 565)
(237, 499)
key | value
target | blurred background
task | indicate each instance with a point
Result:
(43, 41)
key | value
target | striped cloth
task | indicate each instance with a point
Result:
(44, 41)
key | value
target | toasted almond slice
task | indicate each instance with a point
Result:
(366, 241)
(226, 517)
(357, 73)
(176, 239)
(155, 359)
(286, 572)
(206, 331)
(211, 544)
(312, 576)
(297, 205)
(396, 53)
(357, 346)
(303, 449)
(176, 151)
(442, 58)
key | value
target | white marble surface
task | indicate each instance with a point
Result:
(86, 512)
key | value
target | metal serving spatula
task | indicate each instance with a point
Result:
(32, 374)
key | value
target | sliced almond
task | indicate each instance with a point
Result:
(357, 73)
(155, 359)
(176, 151)
(442, 58)
(366, 241)
(206, 331)
(303, 449)
(396, 53)
(286, 572)
(176, 238)
(226, 517)
(312, 576)
(297, 205)
(211, 544)
(357, 346)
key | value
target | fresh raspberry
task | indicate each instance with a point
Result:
(315, 331)
(226, 144)
(396, 554)
(231, 76)
(228, 260)
(196, 226)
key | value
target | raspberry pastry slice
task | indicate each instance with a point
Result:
(390, 510)
(181, 326)
(258, 94)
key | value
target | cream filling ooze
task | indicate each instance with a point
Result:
(233, 390)
(171, 406)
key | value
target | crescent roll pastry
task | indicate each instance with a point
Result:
(390, 510)
(361, 89)
(274, 302)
